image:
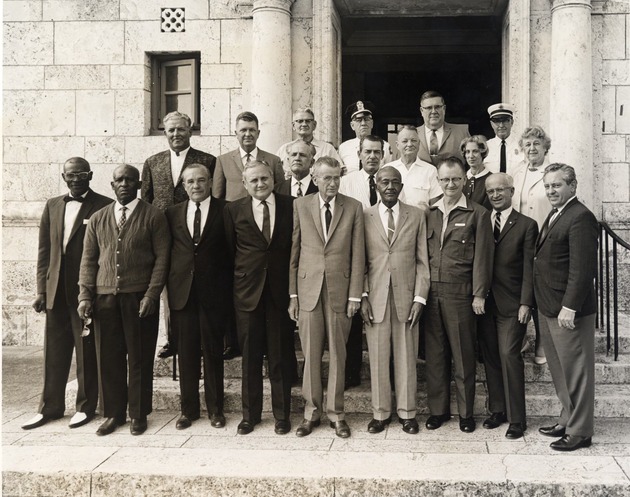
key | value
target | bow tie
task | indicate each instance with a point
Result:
(70, 198)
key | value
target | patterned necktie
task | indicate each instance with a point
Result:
(503, 163)
(299, 190)
(433, 144)
(123, 218)
(266, 230)
(372, 190)
(497, 226)
(248, 158)
(391, 227)
(327, 216)
(197, 225)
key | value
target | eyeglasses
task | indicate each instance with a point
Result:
(366, 119)
(303, 121)
(492, 191)
(497, 120)
(433, 107)
(446, 181)
(75, 176)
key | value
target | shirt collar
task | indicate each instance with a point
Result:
(82, 196)
(192, 205)
(480, 175)
(305, 180)
(270, 200)
(504, 213)
(130, 206)
(460, 203)
(560, 209)
(180, 154)
(382, 208)
(321, 201)
(253, 153)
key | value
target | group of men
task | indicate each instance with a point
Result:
(344, 244)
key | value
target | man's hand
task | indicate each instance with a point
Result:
(524, 313)
(294, 309)
(416, 312)
(147, 307)
(85, 309)
(352, 308)
(40, 302)
(479, 305)
(366, 311)
(566, 319)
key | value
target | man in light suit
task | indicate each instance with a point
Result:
(198, 277)
(502, 328)
(395, 292)
(259, 229)
(325, 286)
(162, 185)
(438, 139)
(565, 265)
(300, 158)
(61, 233)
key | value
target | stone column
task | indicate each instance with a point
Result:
(271, 71)
(571, 95)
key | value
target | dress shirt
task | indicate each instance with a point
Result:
(204, 207)
(305, 181)
(69, 217)
(357, 186)
(559, 211)
(440, 205)
(253, 155)
(504, 216)
(322, 213)
(177, 162)
(130, 208)
(513, 154)
(438, 132)
(420, 182)
(258, 211)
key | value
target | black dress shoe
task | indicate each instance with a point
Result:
(245, 427)
(467, 425)
(552, 431)
(109, 425)
(342, 429)
(230, 353)
(282, 427)
(495, 420)
(434, 422)
(185, 421)
(569, 443)
(217, 420)
(378, 425)
(410, 425)
(306, 428)
(515, 431)
(166, 351)
(138, 426)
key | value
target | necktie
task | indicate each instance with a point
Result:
(390, 225)
(372, 190)
(123, 218)
(266, 222)
(327, 216)
(433, 144)
(70, 198)
(248, 158)
(545, 228)
(299, 190)
(197, 225)
(503, 163)
(497, 226)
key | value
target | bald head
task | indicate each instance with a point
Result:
(125, 183)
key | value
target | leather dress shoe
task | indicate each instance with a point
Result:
(230, 353)
(342, 429)
(37, 421)
(80, 419)
(495, 420)
(109, 425)
(569, 443)
(409, 425)
(217, 420)
(378, 425)
(552, 431)
(434, 422)
(515, 431)
(282, 427)
(306, 428)
(166, 351)
(138, 426)
(185, 421)
(467, 425)
(245, 427)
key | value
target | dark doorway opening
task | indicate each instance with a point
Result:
(392, 61)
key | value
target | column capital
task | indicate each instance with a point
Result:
(564, 4)
(283, 6)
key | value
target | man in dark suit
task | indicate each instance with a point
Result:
(300, 157)
(162, 184)
(61, 233)
(198, 278)
(123, 271)
(258, 229)
(438, 139)
(502, 328)
(565, 265)
(461, 250)
(326, 281)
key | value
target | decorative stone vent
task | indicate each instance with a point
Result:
(173, 20)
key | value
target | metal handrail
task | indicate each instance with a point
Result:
(603, 285)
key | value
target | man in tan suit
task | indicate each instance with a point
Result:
(325, 283)
(393, 299)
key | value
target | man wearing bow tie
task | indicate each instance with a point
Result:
(61, 233)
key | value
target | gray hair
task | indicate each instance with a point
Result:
(257, 163)
(506, 178)
(568, 173)
(306, 110)
(535, 132)
(325, 161)
(177, 115)
(310, 146)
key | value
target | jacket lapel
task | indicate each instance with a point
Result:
(336, 215)
(511, 221)
(376, 219)
(447, 133)
(403, 214)
(317, 218)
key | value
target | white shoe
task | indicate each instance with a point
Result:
(35, 422)
(540, 360)
(79, 419)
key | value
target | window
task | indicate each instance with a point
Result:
(175, 86)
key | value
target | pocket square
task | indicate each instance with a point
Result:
(85, 221)
(460, 224)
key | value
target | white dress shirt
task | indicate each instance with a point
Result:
(438, 132)
(513, 154)
(204, 207)
(130, 208)
(504, 216)
(322, 213)
(357, 186)
(305, 183)
(177, 162)
(69, 217)
(253, 155)
(420, 182)
(258, 211)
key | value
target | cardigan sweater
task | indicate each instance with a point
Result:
(134, 260)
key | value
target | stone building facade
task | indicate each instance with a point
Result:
(79, 80)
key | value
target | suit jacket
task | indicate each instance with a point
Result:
(228, 175)
(403, 264)
(255, 261)
(453, 136)
(512, 278)
(51, 246)
(157, 179)
(341, 259)
(285, 187)
(565, 263)
(204, 269)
